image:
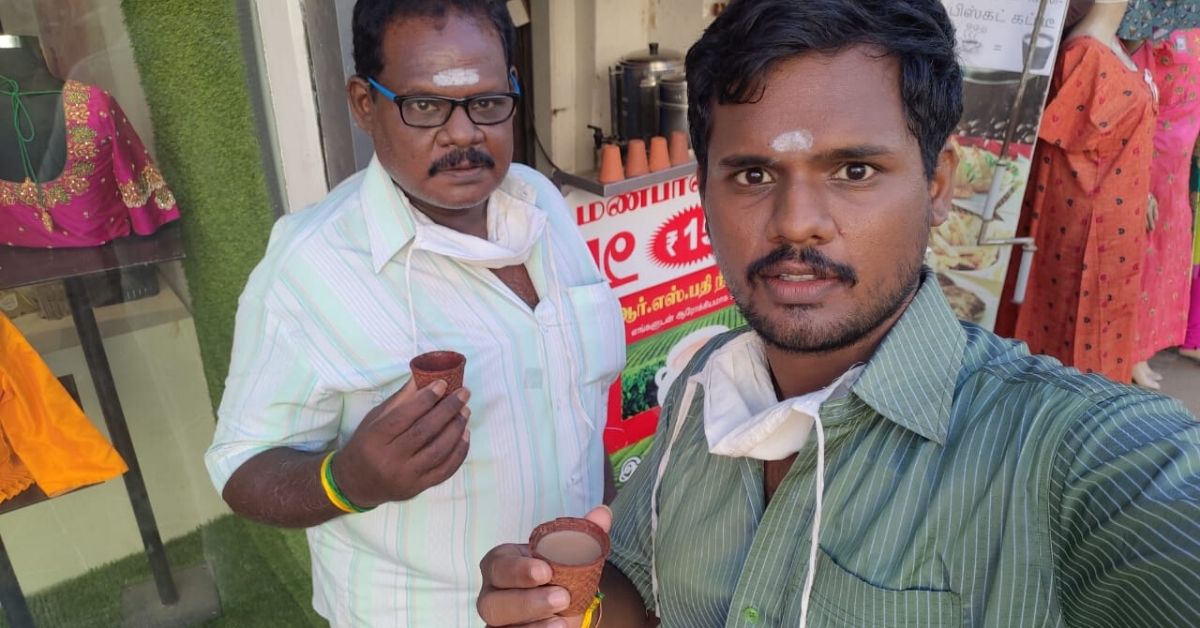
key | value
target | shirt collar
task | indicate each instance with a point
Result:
(390, 220)
(912, 376)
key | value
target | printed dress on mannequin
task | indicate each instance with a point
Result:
(1162, 311)
(1191, 342)
(1086, 207)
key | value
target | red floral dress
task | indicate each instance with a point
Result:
(1086, 207)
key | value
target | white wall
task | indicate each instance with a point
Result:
(292, 106)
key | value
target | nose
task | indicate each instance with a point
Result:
(459, 130)
(801, 215)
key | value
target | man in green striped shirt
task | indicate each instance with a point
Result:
(859, 457)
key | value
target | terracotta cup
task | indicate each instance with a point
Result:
(635, 159)
(660, 157)
(679, 148)
(611, 169)
(576, 550)
(427, 368)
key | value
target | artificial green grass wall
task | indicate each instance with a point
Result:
(189, 55)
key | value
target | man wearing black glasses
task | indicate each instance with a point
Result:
(441, 243)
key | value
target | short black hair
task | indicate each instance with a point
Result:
(731, 60)
(373, 17)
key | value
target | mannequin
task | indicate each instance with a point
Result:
(1087, 201)
(1174, 60)
(22, 62)
(73, 171)
(1101, 22)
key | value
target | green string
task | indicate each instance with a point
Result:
(23, 123)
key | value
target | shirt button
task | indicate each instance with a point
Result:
(575, 478)
(751, 614)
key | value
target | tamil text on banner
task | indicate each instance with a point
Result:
(652, 245)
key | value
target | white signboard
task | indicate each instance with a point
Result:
(997, 34)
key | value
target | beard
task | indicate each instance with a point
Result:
(800, 332)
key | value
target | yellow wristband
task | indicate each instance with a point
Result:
(330, 492)
(593, 610)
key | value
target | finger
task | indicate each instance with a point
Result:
(426, 427)
(400, 413)
(436, 451)
(601, 516)
(553, 622)
(449, 466)
(522, 607)
(509, 566)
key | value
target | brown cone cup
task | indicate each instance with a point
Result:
(582, 581)
(679, 148)
(660, 157)
(611, 169)
(635, 159)
(427, 368)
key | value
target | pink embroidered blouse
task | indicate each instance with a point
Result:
(108, 188)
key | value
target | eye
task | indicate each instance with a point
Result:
(422, 105)
(856, 172)
(485, 104)
(753, 176)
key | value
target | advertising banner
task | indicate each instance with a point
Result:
(651, 244)
(994, 37)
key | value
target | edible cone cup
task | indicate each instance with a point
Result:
(679, 148)
(583, 580)
(660, 157)
(611, 169)
(635, 159)
(427, 368)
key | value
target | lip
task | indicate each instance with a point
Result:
(804, 292)
(468, 172)
(811, 292)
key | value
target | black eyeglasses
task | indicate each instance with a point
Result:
(428, 112)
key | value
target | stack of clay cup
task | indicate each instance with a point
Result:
(663, 154)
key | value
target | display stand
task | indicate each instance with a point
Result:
(176, 605)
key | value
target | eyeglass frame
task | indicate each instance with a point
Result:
(454, 102)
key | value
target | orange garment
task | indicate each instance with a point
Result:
(45, 436)
(1086, 208)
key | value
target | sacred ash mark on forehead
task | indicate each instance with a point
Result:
(800, 141)
(456, 77)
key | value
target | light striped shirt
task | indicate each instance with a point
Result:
(967, 484)
(323, 336)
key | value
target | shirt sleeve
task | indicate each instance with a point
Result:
(273, 395)
(1087, 116)
(631, 533)
(143, 190)
(1125, 515)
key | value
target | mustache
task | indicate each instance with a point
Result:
(821, 265)
(471, 156)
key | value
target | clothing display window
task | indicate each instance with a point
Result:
(107, 516)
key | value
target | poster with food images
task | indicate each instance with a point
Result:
(994, 38)
(652, 245)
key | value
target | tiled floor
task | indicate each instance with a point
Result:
(1182, 378)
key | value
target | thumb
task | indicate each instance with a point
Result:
(601, 516)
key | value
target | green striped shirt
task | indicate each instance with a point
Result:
(967, 483)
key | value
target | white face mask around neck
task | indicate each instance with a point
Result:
(513, 230)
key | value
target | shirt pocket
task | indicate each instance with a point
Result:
(843, 599)
(601, 332)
